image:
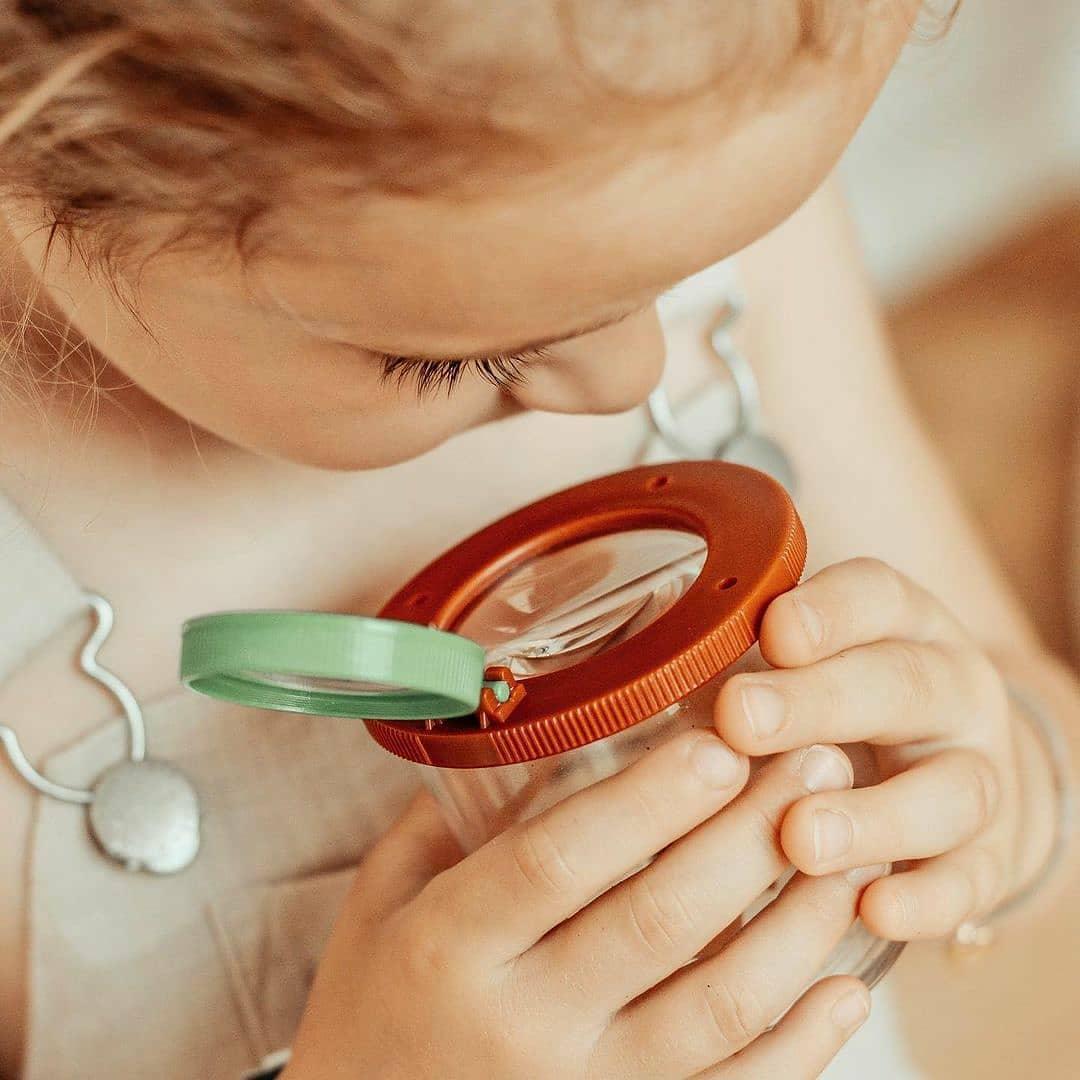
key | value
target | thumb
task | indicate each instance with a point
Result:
(417, 847)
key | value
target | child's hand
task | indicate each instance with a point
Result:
(537, 957)
(871, 657)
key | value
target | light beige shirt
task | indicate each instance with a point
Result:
(203, 973)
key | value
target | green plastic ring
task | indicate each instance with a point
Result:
(403, 671)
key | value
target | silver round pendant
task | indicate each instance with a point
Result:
(145, 815)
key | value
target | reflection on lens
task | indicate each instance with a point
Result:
(561, 608)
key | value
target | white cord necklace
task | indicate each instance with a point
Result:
(748, 444)
(142, 813)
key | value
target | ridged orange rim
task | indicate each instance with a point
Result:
(756, 551)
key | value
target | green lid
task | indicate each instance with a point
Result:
(333, 665)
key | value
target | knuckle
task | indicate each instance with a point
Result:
(904, 910)
(538, 859)
(829, 903)
(897, 592)
(423, 954)
(660, 919)
(763, 826)
(734, 1013)
(985, 687)
(982, 872)
(895, 587)
(649, 810)
(916, 677)
(833, 681)
(871, 566)
(437, 904)
(982, 790)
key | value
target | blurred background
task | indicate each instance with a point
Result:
(965, 184)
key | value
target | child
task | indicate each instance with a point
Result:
(278, 273)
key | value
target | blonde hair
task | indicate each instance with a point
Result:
(207, 112)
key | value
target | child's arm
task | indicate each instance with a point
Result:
(872, 484)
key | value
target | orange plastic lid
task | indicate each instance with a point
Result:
(755, 549)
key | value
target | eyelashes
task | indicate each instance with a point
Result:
(429, 377)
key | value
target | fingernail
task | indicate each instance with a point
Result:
(851, 1010)
(833, 835)
(764, 709)
(861, 876)
(825, 769)
(812, 622)
(715, 764)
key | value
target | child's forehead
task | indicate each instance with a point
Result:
(515, 268)
(528, 260)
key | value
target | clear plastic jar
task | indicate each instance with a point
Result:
(548, 616)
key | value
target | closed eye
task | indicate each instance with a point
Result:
(428, 377)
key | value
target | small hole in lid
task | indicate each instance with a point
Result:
(728, 583)
(420, 599)
(658, 482)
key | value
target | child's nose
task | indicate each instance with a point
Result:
(607, 371)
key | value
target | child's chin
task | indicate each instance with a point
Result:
(354, 443)
(347, 454)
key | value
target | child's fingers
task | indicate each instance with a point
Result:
(888, 693)
(541, 872)
(849, 604)
(721, 1005)
(637, 934)
(935, 899)
(806, 1040)
(934, 807)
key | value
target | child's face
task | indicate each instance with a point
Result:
(283, 356)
